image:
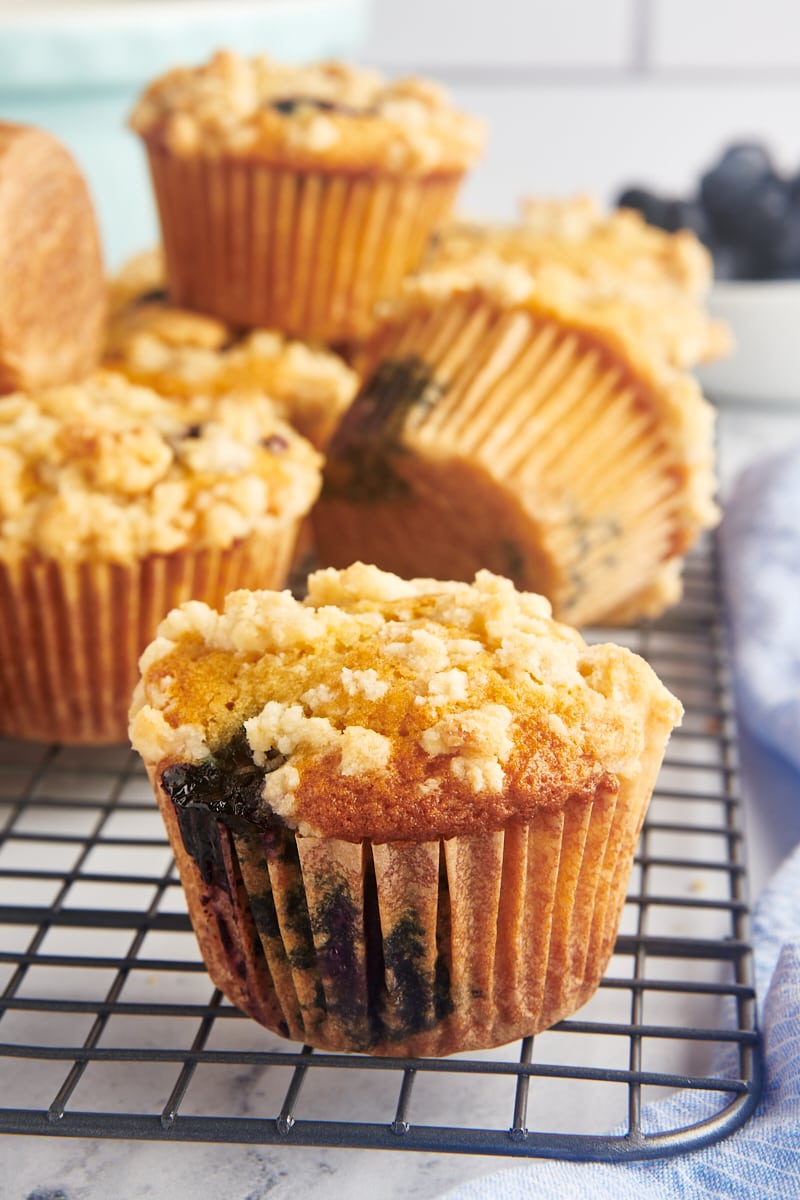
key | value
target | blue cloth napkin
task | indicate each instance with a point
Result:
(760, 548)
(760, 544)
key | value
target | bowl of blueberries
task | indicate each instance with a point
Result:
(747, 212)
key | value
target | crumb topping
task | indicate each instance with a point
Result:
(106, 469)
(391, 708)
(620, 239)
(653, 282)
(180, 353)
(327, 113)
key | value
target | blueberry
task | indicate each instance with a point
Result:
(670, 215)
(286, 105)
(732, 184)
(154, 296)
(765, 214)
(653, 208)
(733, 261)
(756, 218)
(741, 166)
(782, 256)
(634, 197)
(687, 214)
(228, 782)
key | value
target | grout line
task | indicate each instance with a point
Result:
(641, 18)
(536, 75)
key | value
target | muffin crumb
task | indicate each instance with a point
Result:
(374, 691)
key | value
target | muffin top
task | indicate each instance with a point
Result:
(180, 353)
(621, 239)
(388, 708)
(657, 280)
(324, 114)
(107, 470)
(577, 232)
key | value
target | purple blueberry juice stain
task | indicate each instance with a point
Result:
(360, 461)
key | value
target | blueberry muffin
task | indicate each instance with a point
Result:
(295, 197)
(117, 504)
(513, 421)
(404, 812)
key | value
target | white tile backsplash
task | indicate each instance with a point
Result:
(556, 140)
(478, 33)
(589, 95)
(731, 34)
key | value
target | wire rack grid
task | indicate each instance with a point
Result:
(110, 1028)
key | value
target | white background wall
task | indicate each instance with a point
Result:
(579, 94)
(595, 94)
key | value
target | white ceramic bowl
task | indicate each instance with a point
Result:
(765, 321)
(75, 69)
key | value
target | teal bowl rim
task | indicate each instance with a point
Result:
(107, 45)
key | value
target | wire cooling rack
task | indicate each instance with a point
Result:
(110, 1027)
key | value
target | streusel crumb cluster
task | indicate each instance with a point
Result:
(181, 353)
(656, 281)
(109, 470)
(379, 706)
(331, 114)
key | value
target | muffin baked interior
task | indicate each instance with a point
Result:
(404, 812)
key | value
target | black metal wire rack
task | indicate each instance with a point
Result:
(110, 1027)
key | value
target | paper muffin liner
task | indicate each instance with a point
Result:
(306, 252)
(503, 439)
(71, 633)
(407, 948)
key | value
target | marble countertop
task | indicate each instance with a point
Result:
(43, 1168)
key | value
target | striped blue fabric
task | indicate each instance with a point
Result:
(760, 544)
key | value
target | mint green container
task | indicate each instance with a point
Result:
(75, 69)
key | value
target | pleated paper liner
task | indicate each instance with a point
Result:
(409, 948)
(71, 633)
(506, 439)
(306, 252)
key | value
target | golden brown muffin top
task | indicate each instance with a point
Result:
(621, 239)
(577, 232)
(180, 353)
(108, 470)
(388, 708)
(326, 114)
(656, 282)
